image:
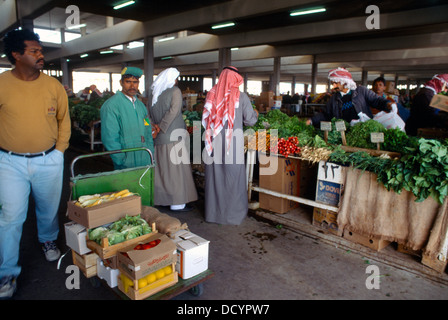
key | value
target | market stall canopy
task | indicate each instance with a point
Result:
(398, 39)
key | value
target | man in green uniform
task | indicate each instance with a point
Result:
(125, 123)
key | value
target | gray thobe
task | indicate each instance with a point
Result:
(226, 200)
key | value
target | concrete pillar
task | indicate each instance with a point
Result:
(213, 77)
(313, 75)
(225, 58)
(148, 64)
(364, 78)
(293, 86)
(276, 76)
(245, 82)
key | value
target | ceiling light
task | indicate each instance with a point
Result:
(124, 4)
(78, 26)
(84, 55)
(234, 49)
(117, 47)
(166, 39)
(306, 11)
(106, 51)
(223, 25)
(135, 44)
(166, 58)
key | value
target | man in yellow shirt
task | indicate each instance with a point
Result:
(34, 133)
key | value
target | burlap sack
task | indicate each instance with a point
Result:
(164, 223)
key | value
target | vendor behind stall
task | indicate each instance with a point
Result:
(423, 115)
(349, 100)
(379, 87)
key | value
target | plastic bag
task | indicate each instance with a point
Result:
(390, 120)
(362, 118)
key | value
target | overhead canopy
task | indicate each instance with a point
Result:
(411, 42)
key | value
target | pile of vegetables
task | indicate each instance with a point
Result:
(126, 228)
(287, 147)
(83, 113)
(91, 200)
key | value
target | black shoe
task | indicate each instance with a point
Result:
(187, 208)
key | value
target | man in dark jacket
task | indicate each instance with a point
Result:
(349, 100)
(422, 114)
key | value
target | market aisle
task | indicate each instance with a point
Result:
(255, 261)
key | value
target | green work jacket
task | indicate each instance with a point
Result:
(126, 125)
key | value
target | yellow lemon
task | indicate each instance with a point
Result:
(167, 270)
(142, 282)
(127, 281)
(160, 274)
(151, 278)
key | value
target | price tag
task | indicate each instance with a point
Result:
(340, 126)
(325, 125)
(377, 137)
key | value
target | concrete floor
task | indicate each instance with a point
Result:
(253, 261)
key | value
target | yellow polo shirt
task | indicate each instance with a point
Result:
(34, 115)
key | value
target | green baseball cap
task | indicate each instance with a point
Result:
(133, 71)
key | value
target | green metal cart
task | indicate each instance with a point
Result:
(139, 180)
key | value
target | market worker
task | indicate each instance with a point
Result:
(349, 100)
(226, 110)
(125, 123)
(173, 180)
(423, 115)
(379, 87)
(34, 133)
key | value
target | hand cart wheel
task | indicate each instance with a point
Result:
(197, 290)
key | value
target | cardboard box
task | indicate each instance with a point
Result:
(439, 101)
(390, 87)
(375, 244)
(75, 237)
(192, 254)
(285, 180)
(139, 263)
(329, 183)
(133, 291)
(104, 213)
(326, 220)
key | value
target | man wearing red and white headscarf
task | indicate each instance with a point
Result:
(226, 111)
(349, 99)
(422, 114)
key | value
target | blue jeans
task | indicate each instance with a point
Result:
(42, 176)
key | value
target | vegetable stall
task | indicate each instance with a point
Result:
(388, 190)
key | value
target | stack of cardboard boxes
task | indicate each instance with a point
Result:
(139, 267)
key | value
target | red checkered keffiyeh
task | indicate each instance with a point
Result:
(438, 82)
(220, 106)
(341, 75)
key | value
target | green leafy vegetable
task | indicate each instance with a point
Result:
(126, 228)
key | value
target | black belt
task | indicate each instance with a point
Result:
(29, 155)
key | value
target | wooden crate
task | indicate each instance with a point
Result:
(375, 244)
(105, 251)
(86, 263)
(434, 264)
(136, 293)
(401, 248)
